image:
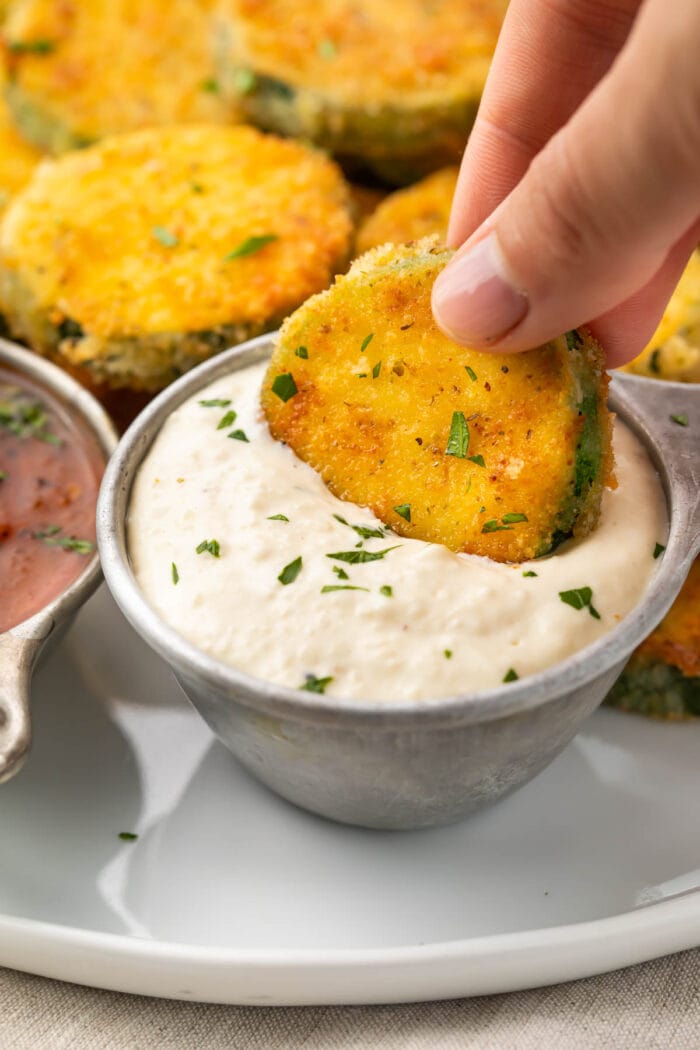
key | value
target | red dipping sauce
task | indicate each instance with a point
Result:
(50, 471)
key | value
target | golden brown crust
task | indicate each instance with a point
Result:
(676, 640)
(409, 214)
(17, 158)
(374, 416)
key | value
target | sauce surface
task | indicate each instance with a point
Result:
(221, 514)
(50, 470)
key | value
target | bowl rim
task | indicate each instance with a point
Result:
(76, 400)
(565, 677)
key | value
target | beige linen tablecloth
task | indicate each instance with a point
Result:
(656, 1005)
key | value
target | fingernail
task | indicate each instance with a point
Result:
(473, 298)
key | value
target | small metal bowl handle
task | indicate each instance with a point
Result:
(17, 658)
(668, 414)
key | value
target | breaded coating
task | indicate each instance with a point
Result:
(84, 69)
(395, 85)
(674, 349)
(139, 257)
(17, 158)
(407, 215)
(503, 456)
(662, 678)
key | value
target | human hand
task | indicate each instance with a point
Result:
(578, 200)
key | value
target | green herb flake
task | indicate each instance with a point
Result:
(315, 685)
(250, 245)
(511, 675)
(471, 373)
(302, 352)
(447, 653)
(3, 475)
(359, 557)
(165, 237)
(479, 460)
(245, 81)
(404, 511)
(278, 517)
(366, 341)
(228, 420)
(658, 550)
(365, 532)
(340, 572)
(513, 519)
(210, 85)
(50, 536)
(529, 573)
(580, 598)
(128, 836)
(386, 590)
(290, 572)
(680, 418)
(376, 370)
(24, 418)
(31, 47)
(210, 547)
(494, 526)
(284, 386)
(341, 587)
(327, 49)
(239, 435)
(655, 361)
(458, 441)
(196, 187)
(174, 573)
(216, 402)
(361, 375)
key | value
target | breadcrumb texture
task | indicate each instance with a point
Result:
(674, 349)
(409, 214)
(399, 80)
(17, 158)
(117, 258)
(662, 678)
(84, 69)
(374, 392)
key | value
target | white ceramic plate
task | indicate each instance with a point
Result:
(232, 895)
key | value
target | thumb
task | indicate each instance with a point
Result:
(596, 215)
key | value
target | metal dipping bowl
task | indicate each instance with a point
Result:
(22, 645)
(418, 763)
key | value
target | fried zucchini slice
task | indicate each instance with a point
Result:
(662, 678)
(394, 85)
(674, 349)
(407, 215)
(80, 71)
(137, 258)
(502, 456)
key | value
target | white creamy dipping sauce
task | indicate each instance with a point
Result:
(424, 621)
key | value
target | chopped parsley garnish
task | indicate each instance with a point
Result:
(513, 519)
(654, 365)
(245, 81)
(341, 587)
(358, 557)
(376, 370)
(250, 245)
(366, 341)
(196, 187)
(31, 47)
(3, 475)
(529, 573)
(165, 237)
(278, 517)
(175, 574)
(210, 546)
(284, 386)
(580, 598)
(50, 536)
(386, 590)
(128, 836)
(447, 653)
(210, 85)
(216, 402)
(239, 435)
(365, 532)
(228, 420)
(511, 675)
(479, 460)
(302, 352)
(680, 418)
(493, 526)
(23, 417)
(658, 550)
(290, 572)
(340, 572)
(458, 441)
(327, 49)
(361, 375)
(471, 373)
(404, 511)
(315, 685)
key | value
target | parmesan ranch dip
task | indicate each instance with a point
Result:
(241, 548)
